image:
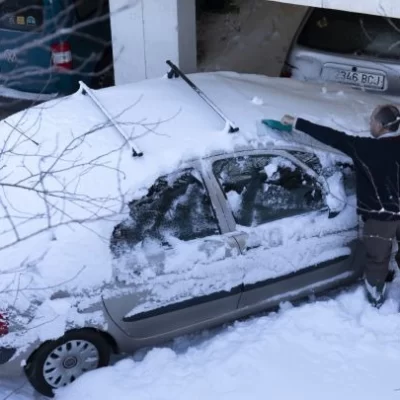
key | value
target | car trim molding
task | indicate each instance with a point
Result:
(184, 304)
(222, 294)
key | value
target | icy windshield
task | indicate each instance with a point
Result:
(352, 33)
(176, 205)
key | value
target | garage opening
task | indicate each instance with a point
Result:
(97, 39)
(250, 36)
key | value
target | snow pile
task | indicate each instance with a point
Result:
(334, 348)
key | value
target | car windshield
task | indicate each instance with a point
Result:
(21, 15)
(351, 33)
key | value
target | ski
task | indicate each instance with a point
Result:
(175, 72)
(136, 152)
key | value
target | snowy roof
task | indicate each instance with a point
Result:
(82, 169)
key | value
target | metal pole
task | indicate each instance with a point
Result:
(136, 152)
(175, 71)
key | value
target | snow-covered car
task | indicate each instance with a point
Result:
(103, 251)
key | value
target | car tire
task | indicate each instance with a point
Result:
(74, 353)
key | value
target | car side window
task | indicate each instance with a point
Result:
(262, 189)
(345, 168)
(176, 205)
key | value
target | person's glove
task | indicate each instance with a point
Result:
(284, 125)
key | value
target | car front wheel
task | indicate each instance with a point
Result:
(58, 363)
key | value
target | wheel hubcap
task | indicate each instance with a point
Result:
(68, 361)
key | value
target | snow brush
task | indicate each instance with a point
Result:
(277, 125)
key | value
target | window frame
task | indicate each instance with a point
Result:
(262, 153)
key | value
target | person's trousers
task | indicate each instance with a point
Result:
(378, 239)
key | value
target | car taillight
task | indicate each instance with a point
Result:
(62, 55)
(3, 325)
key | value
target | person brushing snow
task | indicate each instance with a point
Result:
(377, 166)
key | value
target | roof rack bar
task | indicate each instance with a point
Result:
(136, 152)
(175, 72)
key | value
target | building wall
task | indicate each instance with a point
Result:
(147, 32)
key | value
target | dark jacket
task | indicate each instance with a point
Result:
(377, 167)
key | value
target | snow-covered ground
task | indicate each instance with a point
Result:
(333, 349)
(336, 348)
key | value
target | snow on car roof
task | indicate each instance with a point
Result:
(169, 112)
(82, 171)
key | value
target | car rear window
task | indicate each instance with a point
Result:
(352, 33)
(21, 15)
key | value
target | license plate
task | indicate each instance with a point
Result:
(356, 78)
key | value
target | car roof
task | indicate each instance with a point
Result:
(166, 115)
(171, 124)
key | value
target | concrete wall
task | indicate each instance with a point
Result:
(147, 32)
(253, 39)
(390, 8)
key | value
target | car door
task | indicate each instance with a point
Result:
(174, 268)
(284, 225)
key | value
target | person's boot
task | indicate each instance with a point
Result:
(375, 293)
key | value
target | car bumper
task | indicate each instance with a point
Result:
(12, 360)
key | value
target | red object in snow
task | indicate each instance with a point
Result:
(3, 325)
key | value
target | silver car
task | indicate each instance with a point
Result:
(358, 50)
(217, 238)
